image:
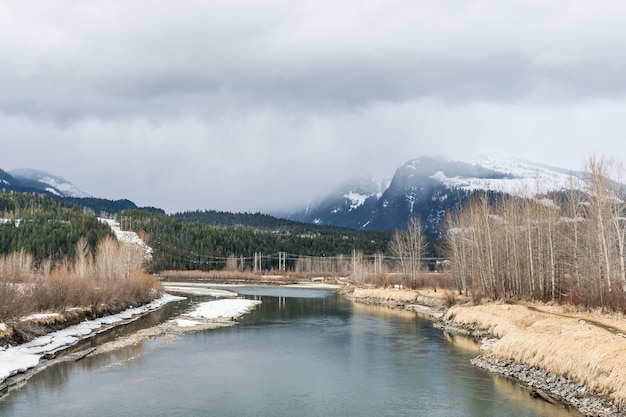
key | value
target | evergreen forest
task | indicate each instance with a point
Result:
(44, 227)
(206, 240)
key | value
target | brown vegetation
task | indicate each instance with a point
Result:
(109, 281)
(218, 275)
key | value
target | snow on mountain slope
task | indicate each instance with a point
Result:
(126, 236)
(429, 187)
(356, 192)
(522, 178)
(56, 184)
(356, 199)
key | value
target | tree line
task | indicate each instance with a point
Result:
(563, 246)
(185, 245)
(49, 229)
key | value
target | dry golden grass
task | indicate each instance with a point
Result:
(46, 319)
(6, 333)
(424, 296)
(387, 294)
(552, 338)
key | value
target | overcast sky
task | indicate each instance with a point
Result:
(263, 104)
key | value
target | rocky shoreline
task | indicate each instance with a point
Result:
(563, 391)
(558, 390)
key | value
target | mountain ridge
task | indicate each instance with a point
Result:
(426, 187)
(429, 187)
(28, 180)
(44, 181)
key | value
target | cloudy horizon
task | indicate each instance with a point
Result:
(261, 105)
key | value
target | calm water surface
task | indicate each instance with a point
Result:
(300, 353)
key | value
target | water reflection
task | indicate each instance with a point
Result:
(99, 362)
(383, 312)
(466, 343)
(148, 320)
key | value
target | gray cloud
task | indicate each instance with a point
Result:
(255, 105)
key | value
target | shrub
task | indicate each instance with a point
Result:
(110, 283)
(15, 301)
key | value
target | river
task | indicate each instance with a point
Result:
(299, 353)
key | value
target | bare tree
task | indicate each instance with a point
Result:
(107, 254)
(409, 246)
(231, 263)
(457, 250)
(607, 211)
(357, 267)
(131, 258)
(82, 261)
(545, 246)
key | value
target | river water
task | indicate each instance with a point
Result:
(300, 353)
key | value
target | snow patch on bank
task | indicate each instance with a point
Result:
(18, 359)
(198, 289)
(186, 323)
(228, 308)
(41, 316)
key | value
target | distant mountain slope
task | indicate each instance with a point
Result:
(45, 181)
(430, 187)
(28, 180)
(350, 205)
(102, 206)
(5, 178)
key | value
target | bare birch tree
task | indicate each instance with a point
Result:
(409, 247)
(82, 261)
(131, 259)
(107, 258)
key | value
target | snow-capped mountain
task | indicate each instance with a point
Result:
(5, 178)
(45, 181)
(350, 205)
(36, 181)
(520, 177)
(429, 187)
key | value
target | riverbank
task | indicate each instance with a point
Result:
(428, 303)
(576, 358)
(19, 363)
